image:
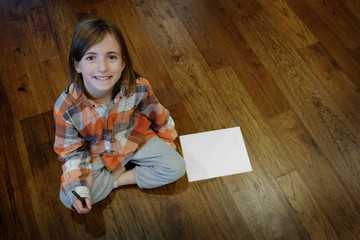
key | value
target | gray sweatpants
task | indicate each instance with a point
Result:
(157, 162)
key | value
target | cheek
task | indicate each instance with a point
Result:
(88, 69)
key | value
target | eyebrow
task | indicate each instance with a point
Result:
(94, 53)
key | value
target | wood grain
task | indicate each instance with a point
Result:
(41, 37)
(135, 215)
(322, 117)
(184, 62)
(338, 85)
(15, 221)
(354, 7)
(317, 173)
(239, 8)
(265, 210)
(306, 208)
(58, 13)
(230, 51)
(330, 40)
(288, 22)
(266, 157)
(339, 19)
(184, 213)
(232, 224)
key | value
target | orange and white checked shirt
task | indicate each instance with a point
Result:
(87, 132)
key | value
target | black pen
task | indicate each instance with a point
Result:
(80, 198)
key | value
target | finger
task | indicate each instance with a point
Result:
(83, 210)
(79, 207)
(75, 204)
(88, 203)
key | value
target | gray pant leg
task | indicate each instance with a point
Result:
(158, 164)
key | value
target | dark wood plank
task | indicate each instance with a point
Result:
(49, 93)
(328, 39)
(265, 209)
(288, 23)
(356, 54)
(354, 7)
(30, 90)
(28, 55)
(134, 214)
(340, 21)
(314, 170)
(232, 224)
(62, 20)
(16, 72)
(332, 131)
(81, 5)
(15, 32)
(203, 38)
(184, 124)
(16, 206)
(309, 212)
(42, 41)
(239, 8)
(336, 82)
(184, 213)
(213, 24)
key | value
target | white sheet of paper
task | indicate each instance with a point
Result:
(214, 154)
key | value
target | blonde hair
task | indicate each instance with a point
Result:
(88, 33)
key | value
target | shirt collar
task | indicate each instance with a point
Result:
(79, 95)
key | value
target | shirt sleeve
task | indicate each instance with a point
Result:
(162, 122)
(72, 151)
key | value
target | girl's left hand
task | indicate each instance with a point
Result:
(79, 207)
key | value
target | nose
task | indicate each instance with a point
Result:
(102, 65)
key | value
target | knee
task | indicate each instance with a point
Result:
(178, 168)
(64, 199)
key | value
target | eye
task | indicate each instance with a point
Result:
(112, 57)
(90, 58)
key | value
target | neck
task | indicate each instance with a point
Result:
(103, 100)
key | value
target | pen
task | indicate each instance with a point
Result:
(80, 198)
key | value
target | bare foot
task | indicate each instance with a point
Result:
(123, 177)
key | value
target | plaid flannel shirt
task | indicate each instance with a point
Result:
(87, 132)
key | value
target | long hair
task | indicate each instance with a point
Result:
(88, 33)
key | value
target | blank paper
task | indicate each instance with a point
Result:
(214, 154)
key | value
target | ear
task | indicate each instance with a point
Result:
(76, 65)
(123, 63)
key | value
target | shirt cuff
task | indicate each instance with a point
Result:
(83, 191)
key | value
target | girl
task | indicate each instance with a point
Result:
(107, 116)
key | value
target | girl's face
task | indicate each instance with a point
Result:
(101, 67)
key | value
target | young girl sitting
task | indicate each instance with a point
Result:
(107, 116)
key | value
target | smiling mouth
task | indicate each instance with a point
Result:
(102, 77)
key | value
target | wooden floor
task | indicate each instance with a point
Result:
(286, 71)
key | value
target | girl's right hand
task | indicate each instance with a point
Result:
(79, 207)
